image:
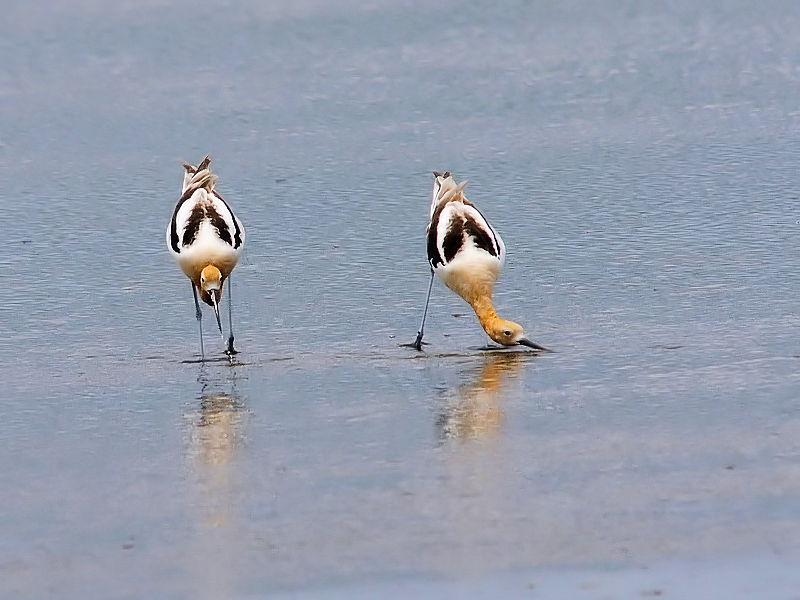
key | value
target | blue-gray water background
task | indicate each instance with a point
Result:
(640, 161)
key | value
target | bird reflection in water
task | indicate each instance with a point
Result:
(475, 411)
(215, 435)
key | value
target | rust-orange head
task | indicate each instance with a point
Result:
(504, 332)
(210, 279)
(509, 333)
(211, 287)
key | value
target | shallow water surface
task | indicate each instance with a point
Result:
(639, 162)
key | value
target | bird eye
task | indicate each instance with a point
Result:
(202, 280)
(507, 332)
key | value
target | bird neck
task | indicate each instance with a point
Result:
(484, 309)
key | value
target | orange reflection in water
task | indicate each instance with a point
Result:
(476, 410)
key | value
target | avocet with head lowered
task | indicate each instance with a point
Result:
(206, 240)
(467, 254)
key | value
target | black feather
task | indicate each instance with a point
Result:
(479, 236)
(196, 217)
(237, 232)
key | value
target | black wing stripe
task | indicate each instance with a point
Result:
(219, 224)
(237, 232)
(496, 246)
(196, 217)
(434, 257)
(454, 238)
(173, 226)
(480, 236)
(174, 238)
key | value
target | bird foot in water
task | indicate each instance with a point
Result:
(416, 344)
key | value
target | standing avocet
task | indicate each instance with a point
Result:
(206, 239)
(467, 254)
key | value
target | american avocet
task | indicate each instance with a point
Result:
(467, 254)
(206, 239)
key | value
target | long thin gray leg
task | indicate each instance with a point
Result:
(199, 316)
(418, 342)
(231, 350)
